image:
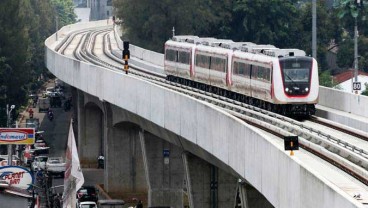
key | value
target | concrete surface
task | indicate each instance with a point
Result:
(210, 130)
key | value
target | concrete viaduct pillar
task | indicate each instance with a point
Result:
(90, 132)
(164, 171)
(141, 165)
(124, 170)
(208, 186)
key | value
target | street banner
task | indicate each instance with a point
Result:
(73, 179)
(17, 136)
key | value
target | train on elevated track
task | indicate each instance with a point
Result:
(284, 81)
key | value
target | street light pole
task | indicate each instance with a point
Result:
(57, 26)
(356, 50)
(314, 29)
(10, 150)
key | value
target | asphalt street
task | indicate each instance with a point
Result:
(56, 136)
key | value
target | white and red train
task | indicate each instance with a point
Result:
(280, 80)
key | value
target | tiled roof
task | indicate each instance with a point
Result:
(346, 75)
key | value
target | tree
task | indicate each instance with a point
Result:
(153, 26)
(348, 11)
(325, 79)
(365, 92)
(351, 14)
(25, 24)
(265, 22)
(65, 11)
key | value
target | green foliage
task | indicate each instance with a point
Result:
(345, 55)
(325, 79)
(153, 26)
(65, 11)
(365, 92)
(348, 11)
(283, 23)
(25, 24)
(265, 22)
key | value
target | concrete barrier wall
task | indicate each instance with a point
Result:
(141, 53)
(284, 181)
(78, 26)
(344, 101)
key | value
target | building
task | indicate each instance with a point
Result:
(100, 9)
(345, 80)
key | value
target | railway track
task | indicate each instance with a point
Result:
(344, 155)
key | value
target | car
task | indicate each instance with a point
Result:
(87, 193)
(56, 166)
(39, 162)
(43, 104)
(55, 100)
(87, 204)
(33, 123)
(40, 143)
(4, 160)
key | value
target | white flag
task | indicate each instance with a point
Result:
(73, 179)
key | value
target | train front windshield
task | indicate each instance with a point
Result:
(296, 72)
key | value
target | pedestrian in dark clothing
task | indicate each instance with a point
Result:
(139, 205)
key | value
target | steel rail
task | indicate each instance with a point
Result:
(277, 123)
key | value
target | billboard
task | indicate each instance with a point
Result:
(16, 176)
(17, 136)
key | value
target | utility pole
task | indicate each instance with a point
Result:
(356, 35)
(314, 29)
(10, 150)
(57, 26)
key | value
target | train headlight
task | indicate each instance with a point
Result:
(306, 89)
(287, 89)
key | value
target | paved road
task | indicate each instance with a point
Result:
(56, 136)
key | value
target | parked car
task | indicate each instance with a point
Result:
(59, 83)
(87, 204)
(56, 166)
(55, 100)
(87, 193)
(33, 123)
(29, 154)
(40, 143)
(39, 162)
(4, 160)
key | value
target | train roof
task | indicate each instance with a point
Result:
(185, 38)
(284, 52)
(249, 47)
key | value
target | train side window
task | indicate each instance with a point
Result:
(254, 72)
(268, 74)
(171, 55)
(202, 61)
(247, 70)
(235, 67)
(261, 73)
(218, 64)
(183, 57)
(239, 69)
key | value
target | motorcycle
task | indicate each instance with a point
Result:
(67, 105)
(101, 162)
(50, 115)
